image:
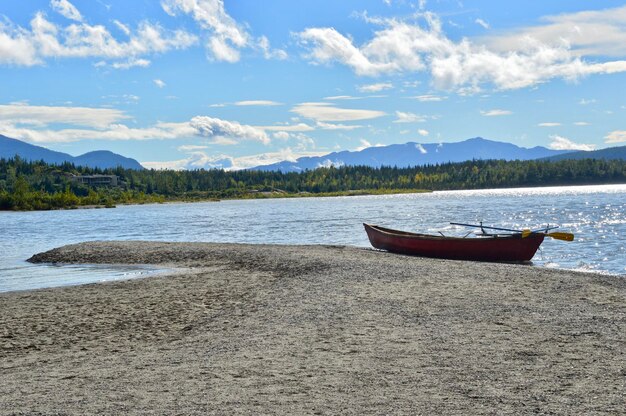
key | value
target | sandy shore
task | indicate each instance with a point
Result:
(255, 329)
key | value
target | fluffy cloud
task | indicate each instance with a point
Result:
(563, 143)
(549, 124)
(200, 160)
(588, 33)
(32, 123)
(616, 136)
(44, 115)
(159, 83)
(327, 112)
(264, 44)
(160, 131)
(226, 37)
(230, 130)
(66, 9)
(421, 45)
(422, 132)
(409, 118)
(45, 40)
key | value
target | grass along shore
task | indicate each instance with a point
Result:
(37, 201)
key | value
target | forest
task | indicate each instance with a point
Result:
(35, 185)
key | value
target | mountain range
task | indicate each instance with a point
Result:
(415, 154)
(102, 159)
(400, 155)
(610, 153)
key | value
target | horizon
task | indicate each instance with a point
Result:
(222, 84)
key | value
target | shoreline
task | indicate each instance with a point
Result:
(312, 330)
(249, 196)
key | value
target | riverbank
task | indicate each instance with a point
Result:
(83, 203)
(264, 329)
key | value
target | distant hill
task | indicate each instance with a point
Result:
(611, 153)
(102, 159)
(415, 154)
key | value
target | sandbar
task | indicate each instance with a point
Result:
(287, 329)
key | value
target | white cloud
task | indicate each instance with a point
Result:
(327, 163)
(563, 143)
(365, 144)
(409, 118)
(66, 9)
(190, 148)
(549, 124)
(328, 112)
(335, 126)
(465, 65)
(46, 40)
(581, 123)
(45, 115)
(131, 63)
(381, 86)
(429, 97)
(342, 97)
(482, 23)
(231, 131)
(257, 103)
(33, 124)
(281, 135)
(226, 37)
(200, 160)
(616, 136)
(196, 160)
(421, 148)
(159, 83)
(300, 127)
(245, 162)
(160, 131)
(422, 132)
(269, 53)
(495, 113)
(598, 33)
(121, 26)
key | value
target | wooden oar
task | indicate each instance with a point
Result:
(526, 232)
(561, 236)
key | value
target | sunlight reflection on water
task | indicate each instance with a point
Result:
(596, 214)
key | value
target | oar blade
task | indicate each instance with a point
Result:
(561, 236)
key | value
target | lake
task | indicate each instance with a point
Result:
(595, 214)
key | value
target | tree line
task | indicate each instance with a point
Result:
(27, 185)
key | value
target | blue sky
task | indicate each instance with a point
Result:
(235, 84)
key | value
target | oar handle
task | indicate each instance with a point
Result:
(484, 226)
(545, 229)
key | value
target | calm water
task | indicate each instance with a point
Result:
(596, 214)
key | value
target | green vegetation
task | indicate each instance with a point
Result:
(36, 185)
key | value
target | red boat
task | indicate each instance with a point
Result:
(516, 247)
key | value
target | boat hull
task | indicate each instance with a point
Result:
(509, 248)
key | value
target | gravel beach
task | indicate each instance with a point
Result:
(269, 329)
